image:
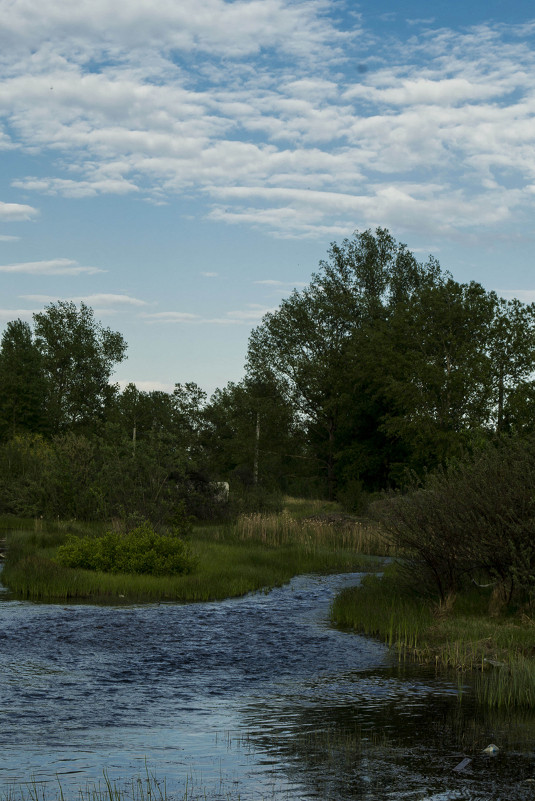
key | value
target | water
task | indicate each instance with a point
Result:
(252, 698)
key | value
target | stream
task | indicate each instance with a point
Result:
(249, 698)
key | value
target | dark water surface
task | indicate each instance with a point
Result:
(251, 698)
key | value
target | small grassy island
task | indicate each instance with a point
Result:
(135, 563)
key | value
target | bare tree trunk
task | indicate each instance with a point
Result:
(330, 462)
(256, 448)
(500, 400)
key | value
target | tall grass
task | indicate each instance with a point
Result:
(312, 532)
(507, 685)
(139, 788)
(377, 609)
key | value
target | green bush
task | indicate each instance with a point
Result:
(472, 523)
(141, 550)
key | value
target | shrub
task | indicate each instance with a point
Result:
(474, 522)
(141, 550)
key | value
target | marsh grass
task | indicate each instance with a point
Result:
(231, 560)
(459, 634)
(507, 685)
(337, 745)
(376, 608)
(311, 532)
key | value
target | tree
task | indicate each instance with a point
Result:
(23, 387)
(304, 345)
(431, 368)
(79, 356)
(512, 353)
(250, 436)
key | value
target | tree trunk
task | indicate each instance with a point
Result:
(256, 448)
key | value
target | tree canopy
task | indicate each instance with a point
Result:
(380, 368)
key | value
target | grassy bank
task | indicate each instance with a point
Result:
(256, 552)
(462, 634)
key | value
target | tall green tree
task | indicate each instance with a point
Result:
(428, 366)
(511, 349)
(23, 387)
(79, 356)
(304, 345)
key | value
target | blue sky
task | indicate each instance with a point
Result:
(181, 165)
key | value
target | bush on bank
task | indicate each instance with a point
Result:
(472, 524)
(141, 551)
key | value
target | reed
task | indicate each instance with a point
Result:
(313, 532)
(506, 685)
(139, 788)
(377, 609)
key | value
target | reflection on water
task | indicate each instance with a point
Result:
(394, 734)
(254, 696)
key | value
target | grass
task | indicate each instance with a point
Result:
(257, 552)
(378, 609)
(459, 635)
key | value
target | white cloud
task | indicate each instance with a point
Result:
(9, 238)
(170, 317)
(281, 134)
(253, 313)
(209, 275)
(212, 26)
(91, 300)
(16, 212)
(282, 286)
(7, 315)
(75, 189)
(49, 267)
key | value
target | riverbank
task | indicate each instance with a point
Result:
(256, 552)
(469, 633)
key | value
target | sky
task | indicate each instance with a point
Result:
(181, 165)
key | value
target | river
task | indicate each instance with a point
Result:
(249, 698)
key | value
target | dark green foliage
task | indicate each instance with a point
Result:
(25, 465)
(23, 387)
(141, 550)
(380, 366)
(391, 365)
(251, 439)
(79, 355)
(472, 523)
(319, 346)
(74, 476)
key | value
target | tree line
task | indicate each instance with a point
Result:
(381, 368)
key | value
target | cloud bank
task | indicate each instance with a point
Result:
(256, 109)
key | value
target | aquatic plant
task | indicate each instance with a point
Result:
(139, 788)
(510, 684)
(377, 608)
